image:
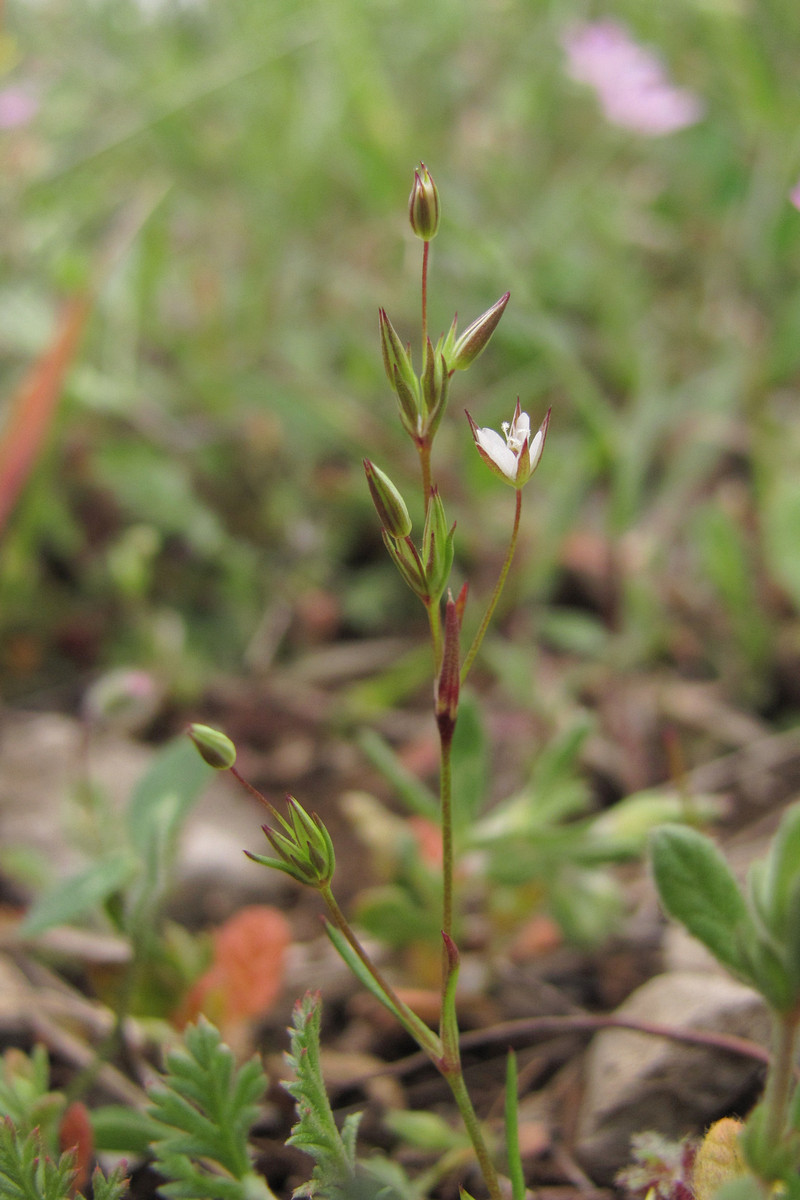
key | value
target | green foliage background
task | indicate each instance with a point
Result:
(205, 465)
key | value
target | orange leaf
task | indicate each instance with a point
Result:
(75, 1133)
(33, 406)
(246, 973)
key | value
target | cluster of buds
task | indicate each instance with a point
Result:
(426, 571)
(422, 400)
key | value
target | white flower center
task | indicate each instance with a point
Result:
(517, 432)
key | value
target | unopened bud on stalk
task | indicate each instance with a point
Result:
(476, 336)
(389, 504)
(437, 546)
(450, 676)
(423, 204)
(396, 356)
(213, 747)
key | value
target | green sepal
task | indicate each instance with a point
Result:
(405, 557)
(437, 547)
(409, 404)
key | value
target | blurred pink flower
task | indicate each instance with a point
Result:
(17, 107)
(794, 195)
(631, 84)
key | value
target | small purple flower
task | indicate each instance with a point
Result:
(17, 107)
(794, 195)
(631, 84)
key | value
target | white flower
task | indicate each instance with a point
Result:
(515, 455)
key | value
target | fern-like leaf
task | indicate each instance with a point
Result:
(109, 1187)
(205, 1108)
(27, 1172)
(315, 1131)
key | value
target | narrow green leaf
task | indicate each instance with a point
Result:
(426, 1038)
(165, 794)
(416, 797)
(470, 762)
(515, 1173)
(80, 894)
(698, 888)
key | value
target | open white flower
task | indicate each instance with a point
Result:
(515, 455)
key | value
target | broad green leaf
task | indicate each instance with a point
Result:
(782, 871)
(698, 888)
(80, 894)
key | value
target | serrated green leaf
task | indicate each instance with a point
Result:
(697, 887)
(80, 894)
(204, 1110)
(315, 1130)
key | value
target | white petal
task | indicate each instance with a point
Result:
(521, 428)
(492, 444)
(535, 451)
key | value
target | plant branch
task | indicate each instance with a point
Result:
(498, 588)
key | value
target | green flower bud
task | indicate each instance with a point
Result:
(389, 504)
(396, 356)
(213, 747)
(437, 547)
(476, 336)
(423, 205)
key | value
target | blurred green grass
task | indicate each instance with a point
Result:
(206, 463)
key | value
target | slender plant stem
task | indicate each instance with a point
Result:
(780, 1074)
(446, 798)
(425, 251)
(435, 622)
(498, 588)
(461, 1096)
(424, 450)
(249, 788)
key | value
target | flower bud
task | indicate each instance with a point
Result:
(213, 747)
(389, 504)
(396, 356)
(423, 205)
(476, 336)
(437, 546)
(448, 685)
